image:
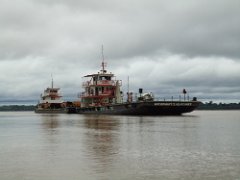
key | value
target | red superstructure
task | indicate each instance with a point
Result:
(101, 89)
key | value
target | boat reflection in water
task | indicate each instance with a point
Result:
(74, 146)
(101, 122)
(50, 121)
(102, 140)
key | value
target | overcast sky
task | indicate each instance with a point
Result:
(162, 45)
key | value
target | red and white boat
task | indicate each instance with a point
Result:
(51, 101)
(102, 95)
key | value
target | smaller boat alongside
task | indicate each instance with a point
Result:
(51, 102)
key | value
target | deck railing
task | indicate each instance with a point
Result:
(100, 82)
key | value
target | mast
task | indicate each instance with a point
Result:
(128, 93)
(52, 80)
(103, 63)
(128, 85)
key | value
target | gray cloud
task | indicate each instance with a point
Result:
(162, 45)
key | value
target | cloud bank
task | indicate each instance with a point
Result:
(163, 46)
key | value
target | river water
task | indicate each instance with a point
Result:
(199, 145)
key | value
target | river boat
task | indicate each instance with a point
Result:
(102, 95)
(51, 102)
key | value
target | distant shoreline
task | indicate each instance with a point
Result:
(219, 106)
(17, 107)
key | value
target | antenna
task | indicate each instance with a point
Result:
(52, 80)
(128, 93)
(103, 63)
(128, 85)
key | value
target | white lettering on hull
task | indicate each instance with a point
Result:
(172, 104)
